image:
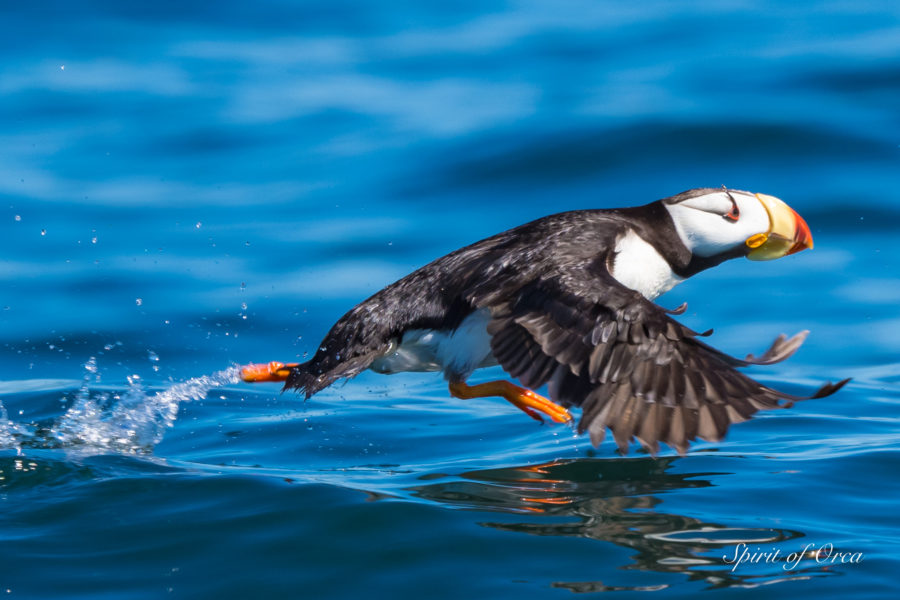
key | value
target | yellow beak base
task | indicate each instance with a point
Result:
(788, 232)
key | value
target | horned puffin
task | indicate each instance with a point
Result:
(566, 301)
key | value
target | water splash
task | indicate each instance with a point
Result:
(7, 428)
(132, 422)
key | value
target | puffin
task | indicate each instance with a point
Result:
(567, 302)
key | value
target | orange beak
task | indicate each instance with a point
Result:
(273, 371)
(788, 233)
(802, 235)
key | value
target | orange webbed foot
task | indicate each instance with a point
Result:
(273, 371)
(532, 404)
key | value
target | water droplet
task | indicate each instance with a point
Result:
(153, 356)
(246, 243)
(243, 305)
(108, 347)
(139, 301)
(198, 225)
(43, 232)
(94, 240)
(18, 217)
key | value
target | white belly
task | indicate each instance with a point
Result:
(456, 353)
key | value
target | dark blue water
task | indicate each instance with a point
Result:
(185, 188)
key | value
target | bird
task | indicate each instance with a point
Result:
(567, 302)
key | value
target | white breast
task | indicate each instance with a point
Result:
(456, 353)
(640, 267)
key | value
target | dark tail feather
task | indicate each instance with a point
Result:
(305, 382)
(317, 374)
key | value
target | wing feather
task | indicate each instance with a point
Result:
(627, 363)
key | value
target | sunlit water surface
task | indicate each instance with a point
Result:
(188, 188)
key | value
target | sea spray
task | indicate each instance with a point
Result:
(132, 422)
(7, 428)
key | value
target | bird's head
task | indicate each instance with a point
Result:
(729, 223)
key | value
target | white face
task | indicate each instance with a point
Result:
(718, 221)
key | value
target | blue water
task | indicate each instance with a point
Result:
(189, 187)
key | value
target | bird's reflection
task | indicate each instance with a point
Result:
(618, 501)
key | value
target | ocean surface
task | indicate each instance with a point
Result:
(188, 187)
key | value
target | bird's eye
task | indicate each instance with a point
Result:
(735, 213)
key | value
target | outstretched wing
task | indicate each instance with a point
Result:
(626, 362)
